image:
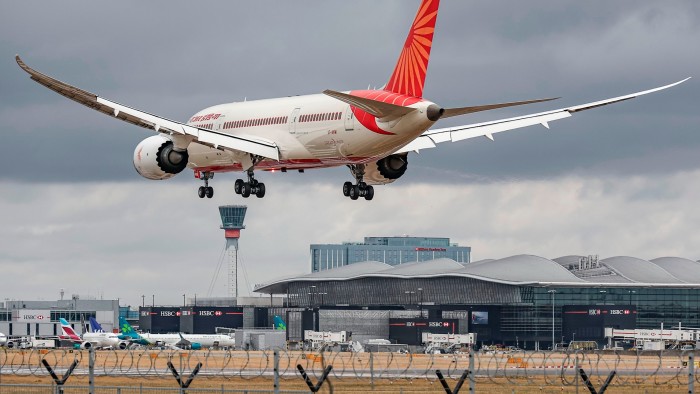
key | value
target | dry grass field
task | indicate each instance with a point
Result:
(496, 373)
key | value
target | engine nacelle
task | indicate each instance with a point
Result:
(86, 345)
(156, 158)
(386, 170)
(123, 345)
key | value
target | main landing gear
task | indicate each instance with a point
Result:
(206, 190)
(361, 189)
(252, 187)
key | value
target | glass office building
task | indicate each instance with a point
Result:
(389, 250)
(524, 300)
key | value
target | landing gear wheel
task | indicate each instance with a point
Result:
(245, 190)
(261, 190)
(238, 186)
(201, 192)
(354, 192)
(346, 188)
(369, 193)
(209, 192)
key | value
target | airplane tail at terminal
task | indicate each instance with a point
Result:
(409, 74)
(68, 331)
(278, 323)
(95, 326)
(126, 330)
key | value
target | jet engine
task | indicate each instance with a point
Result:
(86, 345)
(123, 345)
(156, 158)
(386, 170)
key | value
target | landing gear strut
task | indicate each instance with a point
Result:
(206, 190)
(360, 189)
(252, 187)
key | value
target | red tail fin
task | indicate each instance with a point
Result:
(409, 75)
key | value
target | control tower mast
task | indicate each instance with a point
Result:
(232, 217)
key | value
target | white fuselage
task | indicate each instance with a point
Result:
(311, 131)
(205, 340)
(101, 339)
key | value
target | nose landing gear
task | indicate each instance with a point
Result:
(360, 189)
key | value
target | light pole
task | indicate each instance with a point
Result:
(552, 292)
(630, 293)
(410, 296)
(420, 306)
(313, 290)
(143, 300)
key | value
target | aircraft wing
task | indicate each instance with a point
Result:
(215, 139)
(430, 138)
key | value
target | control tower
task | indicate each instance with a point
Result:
(232, 217)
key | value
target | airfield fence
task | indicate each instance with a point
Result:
(664, 371)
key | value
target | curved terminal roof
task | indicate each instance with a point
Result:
(431, 267)
(621, 271)
(688, 270)
(640, 271)
(522, 268)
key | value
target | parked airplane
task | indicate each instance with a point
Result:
(369, 131)
(193, 341)
(89, 339)
(3, 339)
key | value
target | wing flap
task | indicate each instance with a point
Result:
(157, 123)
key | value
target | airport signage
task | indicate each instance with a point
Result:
(31, 316)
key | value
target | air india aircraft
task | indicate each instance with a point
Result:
(369, 131)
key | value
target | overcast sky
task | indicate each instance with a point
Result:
(620, 180)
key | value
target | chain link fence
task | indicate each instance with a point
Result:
(509, 372)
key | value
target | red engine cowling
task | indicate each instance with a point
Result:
(156, 158)
(386, 170)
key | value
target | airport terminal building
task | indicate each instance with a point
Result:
(389, 250)
(526, 300)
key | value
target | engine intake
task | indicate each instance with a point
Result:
(393, 166)
(386, 170)
(156, 158)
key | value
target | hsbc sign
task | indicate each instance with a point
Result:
(31, 316)
(169, 313)
(210, 313)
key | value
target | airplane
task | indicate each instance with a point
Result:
(178, 340)
(278, 323)
(89, 340)
(3, 339)
(369, 131)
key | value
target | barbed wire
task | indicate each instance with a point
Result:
(525, 367)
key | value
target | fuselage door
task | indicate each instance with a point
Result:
(349, 119)
(293, 120)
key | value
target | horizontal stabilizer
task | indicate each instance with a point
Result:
(450, 112)
(376, 108)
